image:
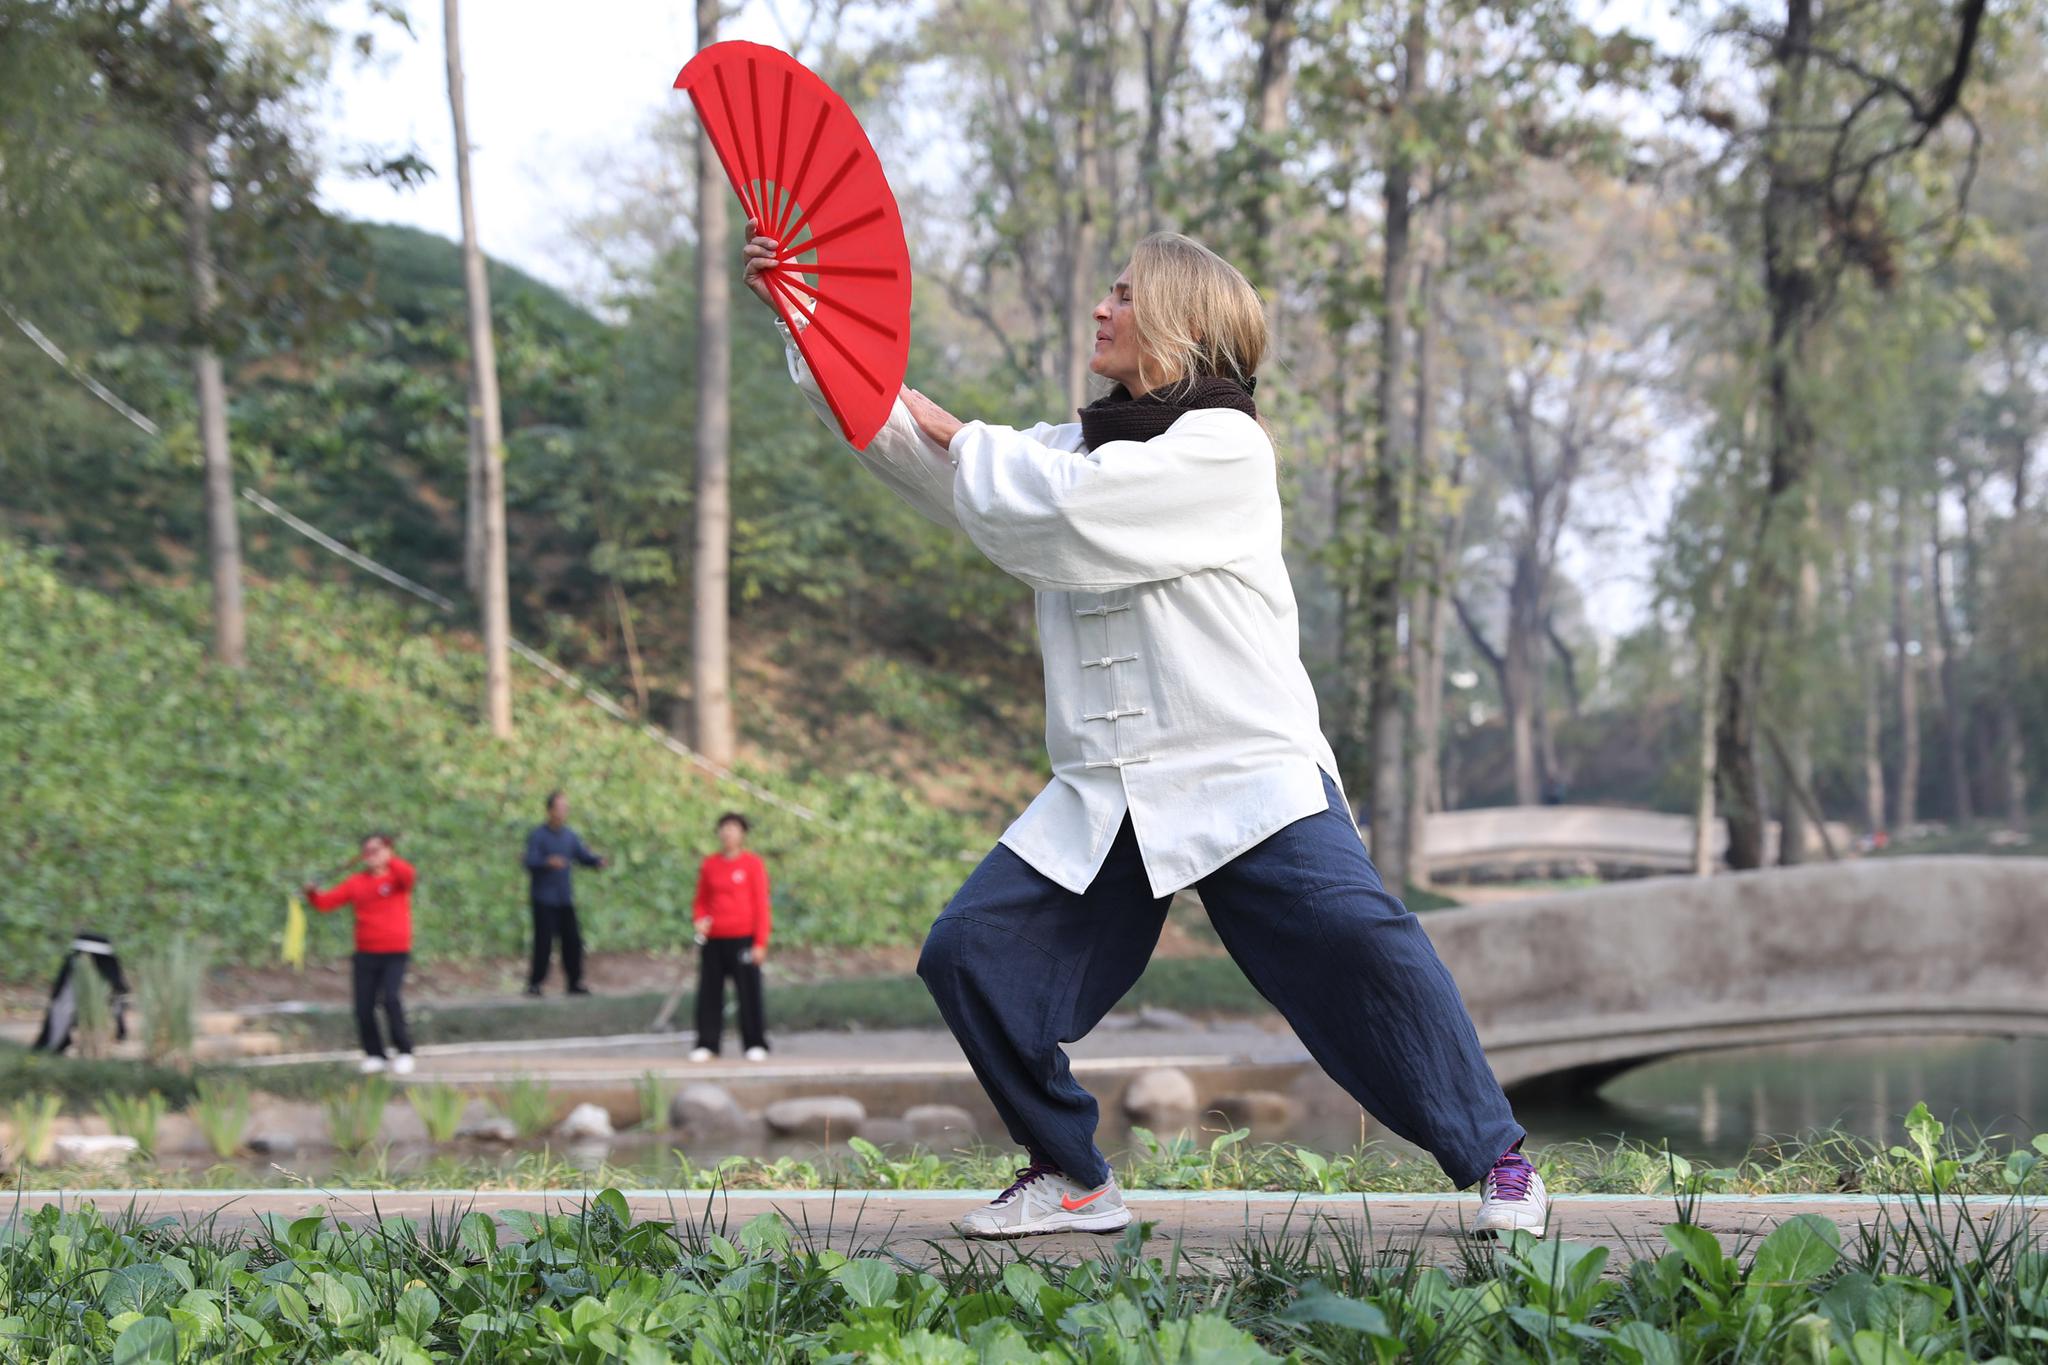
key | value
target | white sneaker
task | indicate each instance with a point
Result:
(1042, 1201)
(401, 1065)
(757, 1054)
(371, 1066)
(703, 1054)
(1512, 1200)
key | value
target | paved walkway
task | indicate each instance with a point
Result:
(1211, 1228)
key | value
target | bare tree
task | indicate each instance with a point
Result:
(711, 539)
(223, 531)
(485, 417)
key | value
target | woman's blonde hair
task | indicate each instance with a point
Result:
(1196, 315)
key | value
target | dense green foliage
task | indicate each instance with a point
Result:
(154, 795)
(595, 1285)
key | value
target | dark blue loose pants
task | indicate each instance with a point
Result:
(1019, 965)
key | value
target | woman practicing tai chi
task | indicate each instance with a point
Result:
(1185, 753)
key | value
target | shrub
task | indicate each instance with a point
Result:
(92, 1033)
(169, 982)
(136, 1116)
(221, 1109)
(34, 1119)
(529, 1103)
(355, 1114)
(439, 1107)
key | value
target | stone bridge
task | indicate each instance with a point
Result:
(1505, 840)
(1595, 981)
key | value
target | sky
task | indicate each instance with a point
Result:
(554, 100)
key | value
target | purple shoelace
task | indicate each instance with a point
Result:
(1509, 1177)
(1024, 1177)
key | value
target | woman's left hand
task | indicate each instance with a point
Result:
(938, 425)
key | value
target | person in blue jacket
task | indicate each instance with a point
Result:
(552, 850)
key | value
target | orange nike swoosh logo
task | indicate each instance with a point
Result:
(1069, 1203)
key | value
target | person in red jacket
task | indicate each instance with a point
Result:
(732, 918)
(381, 896)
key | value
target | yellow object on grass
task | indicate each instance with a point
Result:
(293, 949)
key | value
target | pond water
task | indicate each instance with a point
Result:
(1715, 1105)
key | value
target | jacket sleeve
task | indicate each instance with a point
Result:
(901, 456)
(763, 916)
(1202, 496)
(584, 855)
(402, 875)
(344, 893)
(535, 860)
(700, 906)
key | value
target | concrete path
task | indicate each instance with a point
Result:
(1211, 1229)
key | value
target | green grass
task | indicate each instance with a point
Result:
(150, 791)
(595, 1285)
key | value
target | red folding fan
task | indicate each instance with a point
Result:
(808, 177)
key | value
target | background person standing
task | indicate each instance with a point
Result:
(552, 849)
(732, 918)
(381, 896)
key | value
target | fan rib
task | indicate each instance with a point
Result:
(824, 196)
(724, 161)
(803, 169)
(782, 145)
(742, 184)
(865, 272)
(840, 230)
(754, 107)
(811, 316)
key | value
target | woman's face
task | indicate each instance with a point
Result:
(1118, 355)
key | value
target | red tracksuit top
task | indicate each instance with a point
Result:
(733, 894)
(383, 906)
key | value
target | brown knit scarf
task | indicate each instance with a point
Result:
(1117, 416)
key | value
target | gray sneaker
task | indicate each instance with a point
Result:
(1041, 1200)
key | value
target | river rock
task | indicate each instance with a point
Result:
(885, 1132)
(1262, 1111)
(1161, 1095)
(91, 1149)
(585, 1123)
(938, 1122)
(493, 1128)
(706, 1108)
(816, 1116)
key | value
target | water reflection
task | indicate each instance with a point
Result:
(1715, 1105)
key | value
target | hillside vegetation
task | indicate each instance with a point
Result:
(152, 794)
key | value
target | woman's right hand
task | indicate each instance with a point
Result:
(760, 253)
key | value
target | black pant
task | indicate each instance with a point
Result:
(378, 979)
(720, 958)
(550, 922)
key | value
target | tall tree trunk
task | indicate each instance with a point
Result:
(1390, 695)
(223, 530)
(1790, 228)
(1703, 822)
(2009, 743)
(711, 547)
(1906, 682)
(1272, 88)
(486, 419)
(1426, 615)
(1797, 835)
(1948, 680)
(1869, 663)
(473, 505)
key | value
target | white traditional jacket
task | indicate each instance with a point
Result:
(1174, 689)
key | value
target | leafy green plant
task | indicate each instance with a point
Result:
(653, 1093)
(440, 1108)
(136, 1116)
(168, 982)
(529, 1103)
(355, 1114)
(34, 1121)
(92, 1030)
(221, 1109)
